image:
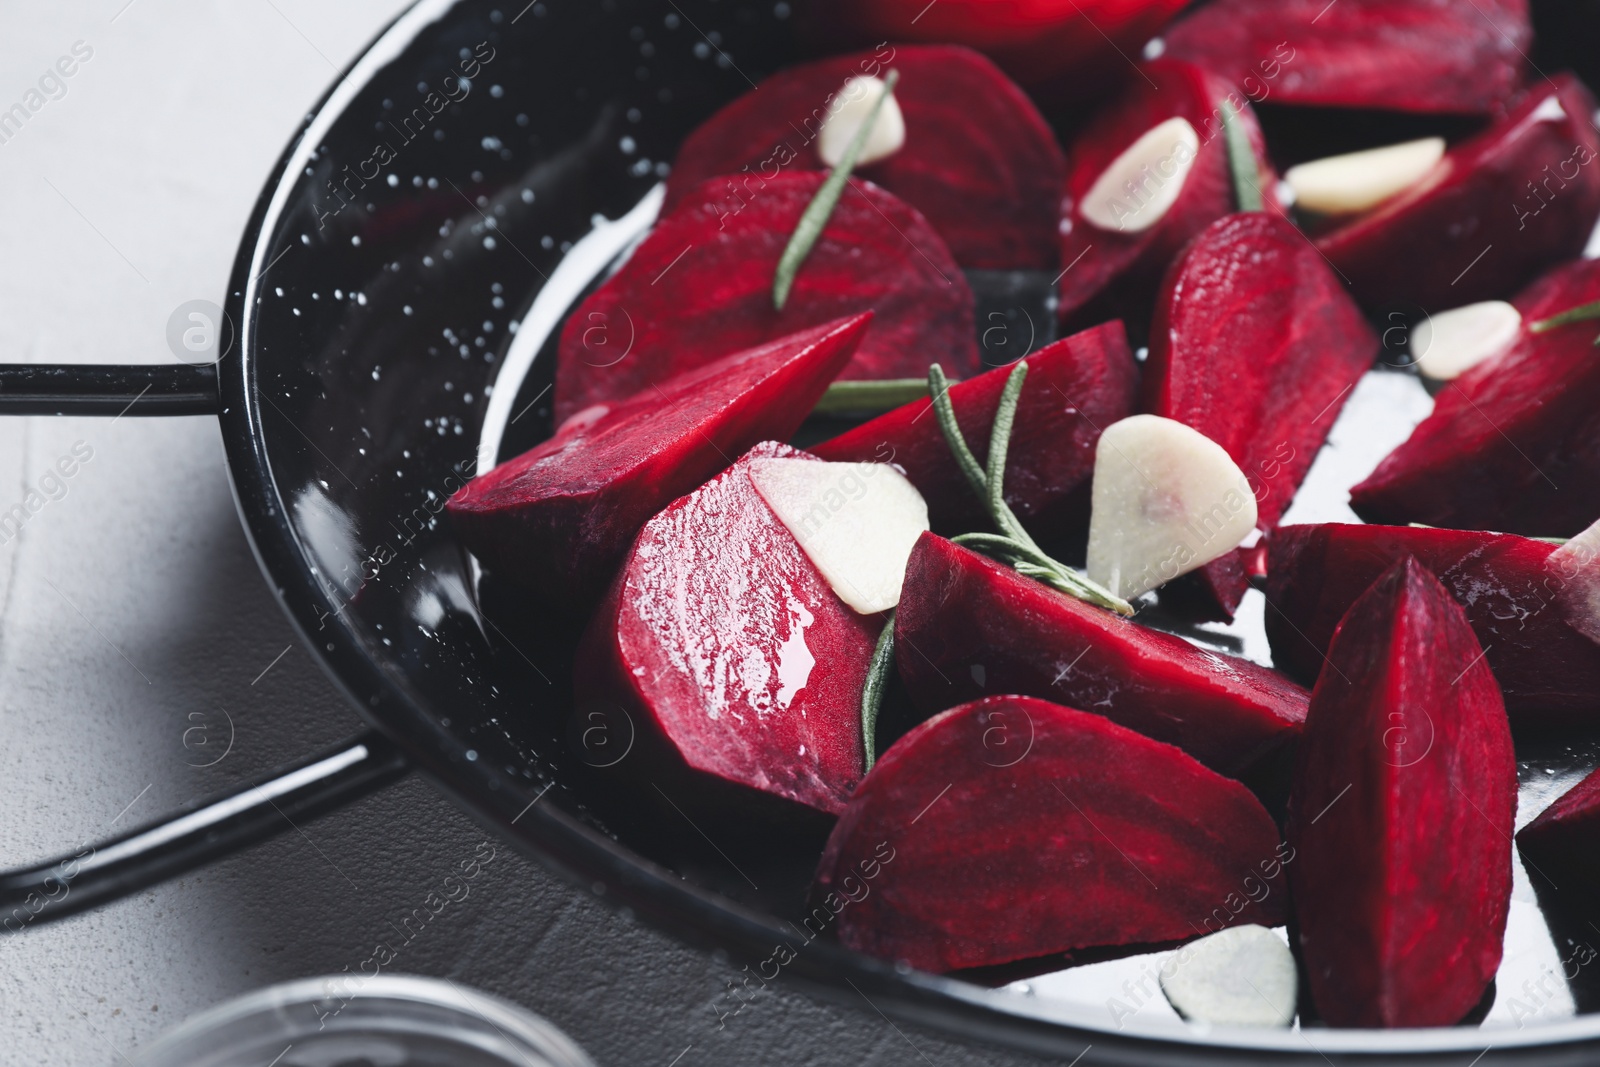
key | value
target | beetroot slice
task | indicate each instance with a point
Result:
(1549, 674)
(700, 287)
(1394, 55)
(1065, 51)
(735, 663)
(1075, 388)
(558, 518)
(1514, 443)
(979, 162)
(967, 626)
(1096, 259)
(1518, 197)
(1401, 813)
(1255, 344)
(1562, 845)
(1013, 828)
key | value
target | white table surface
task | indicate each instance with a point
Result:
(131, 610)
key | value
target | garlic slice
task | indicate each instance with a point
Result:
(1574, 571)
(850, 108)
(1359, 181)
(857, 522)
(1452, 342)
(1140, 186)
(1166, 500)
(1241, 976)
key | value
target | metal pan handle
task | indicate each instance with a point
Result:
(198, 833)
(82, 389)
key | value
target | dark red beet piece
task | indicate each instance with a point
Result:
(1097, 260)
(700, 287)
(1064, 51)
(1012, 828)
(1562, 845)
(735, 662)
(558, 518)
(979, 162)
(1401, 813)
(1549, 673)
(1394, 55)
(1514, 443)
(1255, 344)
(1500, 207)
(1075, 388)
(967, 626)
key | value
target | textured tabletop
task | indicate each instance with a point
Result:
(134, 625)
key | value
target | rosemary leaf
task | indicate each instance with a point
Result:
(1581, 313)
(1005, 418)
(872, 693)
(1241, 161)
(945, 412)
(870, 397)
(815, 217)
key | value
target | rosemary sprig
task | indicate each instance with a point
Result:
(1013, 545)
(815, 217)
(1581, 313)
(872, 693)
(1241, 161)
(872, 397)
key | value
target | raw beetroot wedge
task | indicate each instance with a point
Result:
(1064, 51)
(1394, 55)
(1500, 207)
(978, 160)
(558, 518)
(1075, 387)
(1549, 673)
(1562, 845)
(1011, 828)
(1255, 344)
(1514, 443)
(1120, 234)
(967, 626)
(736, 666)
(700, 287)
(1401, 813)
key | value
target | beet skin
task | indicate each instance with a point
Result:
(558, 518)
(967, 627)
(738, 670)
(1401, 813)
(1012, 828)
(979, 162)
(1549, 673)
(1256, 344)
(700, 287)
(1514, 443)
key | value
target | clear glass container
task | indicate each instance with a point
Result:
(356, 1021)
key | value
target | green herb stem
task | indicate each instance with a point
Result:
(870, 397)
(815, 217)
(1013, 545)
(1241, 161)
(1581, 313)
(872, 693)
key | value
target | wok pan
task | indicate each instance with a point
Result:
(391, 309)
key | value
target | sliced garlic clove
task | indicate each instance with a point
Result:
(1358, 181)
(1452, 342)
(1166, 500)
(1140, 186)
(849, 109)
(857, 522)
(1573, 570)
(1241, 976)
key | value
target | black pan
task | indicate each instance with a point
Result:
(469, 176)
